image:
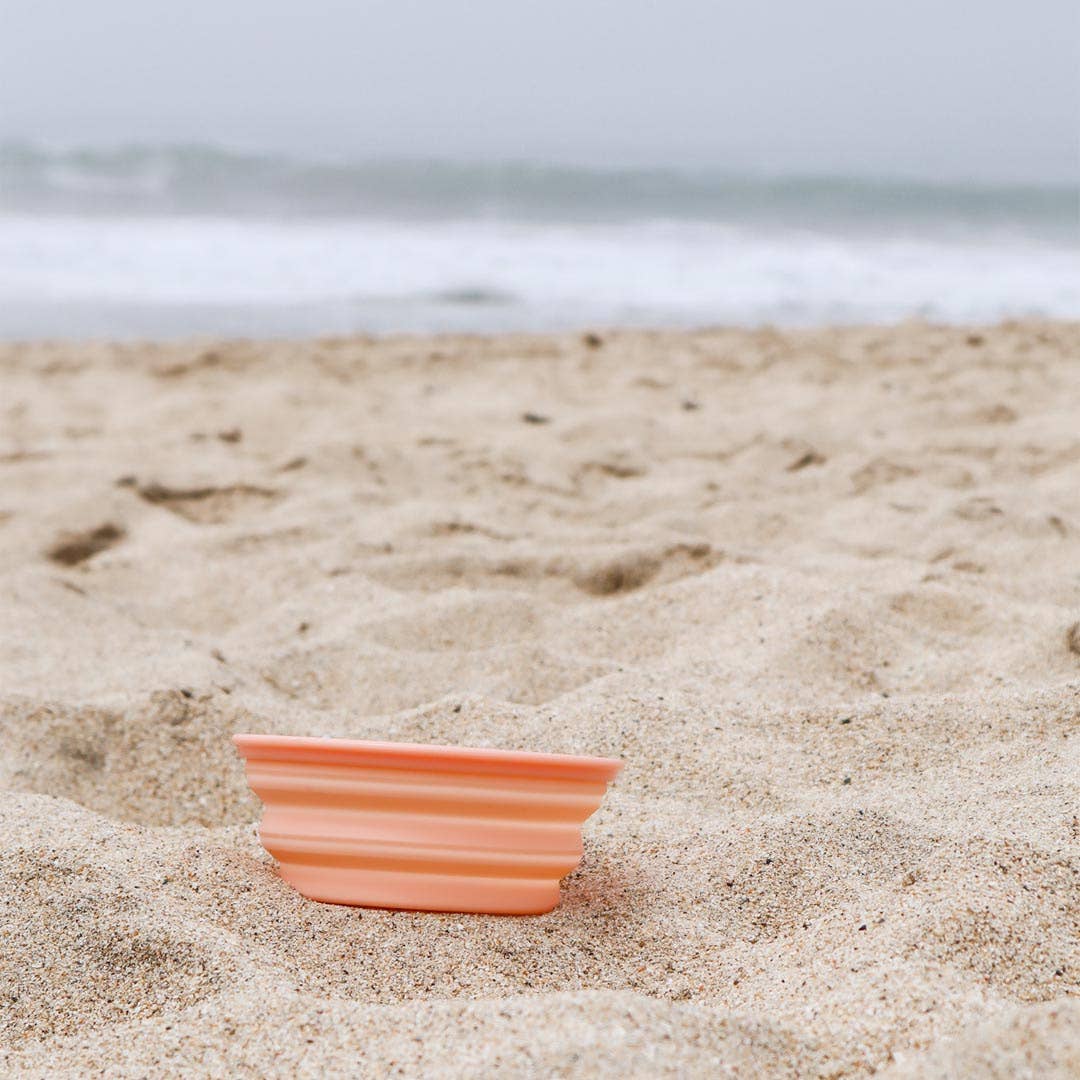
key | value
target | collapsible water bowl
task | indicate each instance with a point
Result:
(427, 828)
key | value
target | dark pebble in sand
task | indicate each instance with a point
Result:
(811, 457)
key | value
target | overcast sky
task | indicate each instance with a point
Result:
(986, 89)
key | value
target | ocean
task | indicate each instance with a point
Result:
(169, 241)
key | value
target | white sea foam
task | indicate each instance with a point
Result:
(166, 275)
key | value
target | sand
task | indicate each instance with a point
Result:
(819, 590)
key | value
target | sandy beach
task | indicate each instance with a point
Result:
(819, 590)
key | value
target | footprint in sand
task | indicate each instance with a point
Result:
(630, 570)
(207, 505)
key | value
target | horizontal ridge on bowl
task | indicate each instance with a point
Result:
(423, 827)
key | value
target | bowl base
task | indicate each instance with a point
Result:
(359, 887)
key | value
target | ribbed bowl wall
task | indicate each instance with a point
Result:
(424, 838)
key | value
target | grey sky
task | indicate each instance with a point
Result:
(946, 89)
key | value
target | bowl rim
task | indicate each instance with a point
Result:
(431, 757)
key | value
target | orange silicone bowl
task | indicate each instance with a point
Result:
(428, 828)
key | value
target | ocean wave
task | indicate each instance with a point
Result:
(202, 179)
(165, 275)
